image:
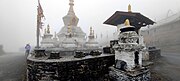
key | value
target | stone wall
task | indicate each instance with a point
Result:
(82, 70)
(165, 36)
(119, 75)
(154, 54)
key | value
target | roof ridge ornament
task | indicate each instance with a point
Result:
(129, 8)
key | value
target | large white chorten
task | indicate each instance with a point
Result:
(70, 35)
(70, 28)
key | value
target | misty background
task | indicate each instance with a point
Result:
(18, 17)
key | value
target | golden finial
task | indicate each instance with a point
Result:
(48, 29)
(127, 23)
(69, 29)
(129, 8)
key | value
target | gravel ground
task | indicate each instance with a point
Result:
(167, 68)
(12, 67)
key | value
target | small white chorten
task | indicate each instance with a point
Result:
(128, 50)
(47, 40)
(91, 39)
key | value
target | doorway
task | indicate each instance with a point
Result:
(136, 60)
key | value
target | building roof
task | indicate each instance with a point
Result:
(136, 19)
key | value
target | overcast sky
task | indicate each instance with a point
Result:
(18, 17)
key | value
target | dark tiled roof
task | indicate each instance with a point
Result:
(136, 19)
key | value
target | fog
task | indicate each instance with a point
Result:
(18, 17)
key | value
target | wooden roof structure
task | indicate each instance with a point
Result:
(136, 19)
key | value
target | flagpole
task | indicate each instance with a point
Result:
(38, 25)
(40, 15)
(37, 31)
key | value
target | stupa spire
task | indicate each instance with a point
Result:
(70, 18)
(55, 35)
(91, 31)
(48, 29)
(71, 10)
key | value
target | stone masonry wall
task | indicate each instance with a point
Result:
(83, 70)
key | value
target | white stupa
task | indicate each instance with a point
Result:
(69, 40)
(92, 40)
(127, 49)
(75, 34)
(70, 35)
(47, 40)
